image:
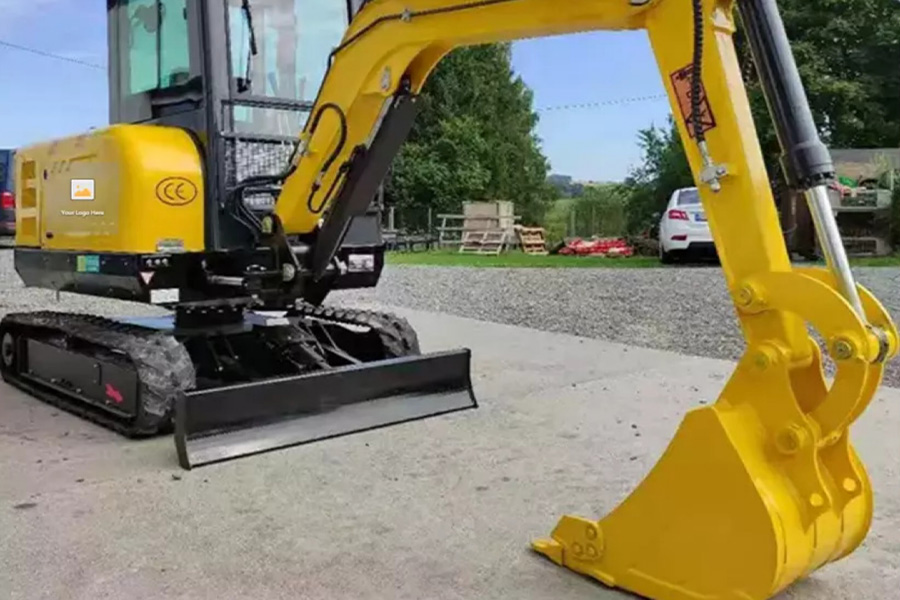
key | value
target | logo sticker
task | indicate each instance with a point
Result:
(176, 191)
(82, 189)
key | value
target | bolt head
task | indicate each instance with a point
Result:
(745, 296)
(791, 440)
(843, 349)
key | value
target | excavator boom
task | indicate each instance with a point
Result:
(763, 487)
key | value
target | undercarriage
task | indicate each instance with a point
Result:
(130, 375)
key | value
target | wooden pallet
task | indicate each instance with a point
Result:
(483, 242)
(532, 240)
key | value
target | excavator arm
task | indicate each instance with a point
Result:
(762, 487)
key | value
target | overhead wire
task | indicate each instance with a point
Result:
(560, 107)
(600, 103)
(46, 54)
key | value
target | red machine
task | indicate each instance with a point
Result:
(611, 247)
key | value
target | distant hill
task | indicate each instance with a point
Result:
(569, 188)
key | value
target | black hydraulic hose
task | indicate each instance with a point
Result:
(311, 124)
(337, 151)
(245, 216)
(696, 72)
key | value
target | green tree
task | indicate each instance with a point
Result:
(847, 53)
(473, 140)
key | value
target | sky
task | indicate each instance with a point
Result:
(43, 98)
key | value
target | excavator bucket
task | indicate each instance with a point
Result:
(762, 488)
(239, 420)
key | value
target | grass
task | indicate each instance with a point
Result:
(877, 261)
(519, 260)
(451, 258)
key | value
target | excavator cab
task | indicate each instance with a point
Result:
(242, 77)
(172, 205)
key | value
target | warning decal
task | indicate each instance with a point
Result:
(681, 83)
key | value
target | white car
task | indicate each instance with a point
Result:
(683, 228)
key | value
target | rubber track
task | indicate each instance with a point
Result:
(163, 364)
(397, 335)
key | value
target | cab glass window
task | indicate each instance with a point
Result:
(154, 37)
(293, 41)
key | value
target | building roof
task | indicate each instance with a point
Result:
(865, 162)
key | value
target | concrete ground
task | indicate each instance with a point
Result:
(443, 508)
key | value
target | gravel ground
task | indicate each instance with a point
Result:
(684, 310)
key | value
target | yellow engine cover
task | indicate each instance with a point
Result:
(125, 188)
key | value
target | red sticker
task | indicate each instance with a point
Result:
(681, 83)
(113, 394)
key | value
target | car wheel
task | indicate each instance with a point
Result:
(665, 258)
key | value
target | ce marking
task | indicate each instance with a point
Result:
(176, 191)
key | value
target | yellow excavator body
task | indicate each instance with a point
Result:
(126, 188)
(754, 492)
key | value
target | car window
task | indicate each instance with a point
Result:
(688, 198)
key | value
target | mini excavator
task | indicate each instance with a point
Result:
(198, 198)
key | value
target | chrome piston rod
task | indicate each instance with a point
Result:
(833, 247)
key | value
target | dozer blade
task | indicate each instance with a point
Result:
(241, 420)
